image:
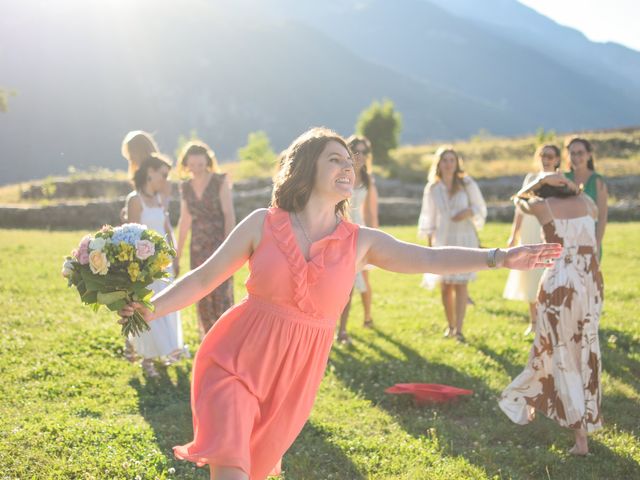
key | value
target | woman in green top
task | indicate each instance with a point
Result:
(583, 173)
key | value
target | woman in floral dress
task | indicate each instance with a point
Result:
(206, 209)
(562, 377)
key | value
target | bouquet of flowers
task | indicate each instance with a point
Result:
(115, 266)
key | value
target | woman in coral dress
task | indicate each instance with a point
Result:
(562, 377)
(257, 372)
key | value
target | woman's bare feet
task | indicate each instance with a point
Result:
(344, 338)
(581, 448)
(149, 368)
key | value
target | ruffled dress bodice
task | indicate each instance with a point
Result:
(318, 287)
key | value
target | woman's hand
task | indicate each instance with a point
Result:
(558, 180)
(511, 242)
(132, 307)
(462, 214)
(527, 257)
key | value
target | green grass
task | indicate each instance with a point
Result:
(72, 408)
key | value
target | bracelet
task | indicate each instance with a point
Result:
(491, 257)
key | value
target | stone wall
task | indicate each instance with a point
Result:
(399, 204)
(92, 215)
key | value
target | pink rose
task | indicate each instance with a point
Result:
(82, 254)
(144, 249)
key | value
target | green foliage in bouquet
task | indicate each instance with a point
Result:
(116, 266)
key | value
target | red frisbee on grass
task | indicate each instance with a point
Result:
(424, 393)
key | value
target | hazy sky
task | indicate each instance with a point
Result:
(600, 20)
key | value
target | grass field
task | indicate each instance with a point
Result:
(73, 408)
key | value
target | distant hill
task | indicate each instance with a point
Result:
(86, 72)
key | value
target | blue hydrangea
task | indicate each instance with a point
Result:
(129, 233)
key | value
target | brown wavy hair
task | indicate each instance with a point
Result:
(353, 141)
(587, 145)
(196, 147)
(295, 179)
(155, 161)
(540, 151)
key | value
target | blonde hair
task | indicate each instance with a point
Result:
(295, 179)
(136, 147)
(540, 151)
(435, 174)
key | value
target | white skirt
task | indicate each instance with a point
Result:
(462, 234)
(523, 285)
(165, 336)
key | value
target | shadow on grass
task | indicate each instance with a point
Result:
(503, 359)
(616, 347)
(462, 426)
(165, 405)
(312, 456)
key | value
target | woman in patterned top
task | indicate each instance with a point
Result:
(206, 210)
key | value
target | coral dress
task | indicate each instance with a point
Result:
(257, 372)
(562, 376)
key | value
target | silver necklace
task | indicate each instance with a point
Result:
(304, 232)
(295, 214)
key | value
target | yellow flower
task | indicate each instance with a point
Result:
(98, 262)
(163, 260)
(126, 252)
(134, 271)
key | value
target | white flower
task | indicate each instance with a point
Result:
(97, 244)
(67, 268)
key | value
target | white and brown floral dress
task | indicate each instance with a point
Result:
(562, 377)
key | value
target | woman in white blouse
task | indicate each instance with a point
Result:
(453, 210)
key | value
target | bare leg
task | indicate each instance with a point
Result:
(532, 319)
(228, 473)
(581, 447)
(462, 295)
(343, 336)
(449, 307)
(366, 300)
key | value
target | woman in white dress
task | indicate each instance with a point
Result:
(522, 285)
(453, 210)
(145, 206)
(363, 211)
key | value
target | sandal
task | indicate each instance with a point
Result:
(344, 338)
(448, 332)
(129, 352)
(368, 323)
(149, 368)
(460, 338)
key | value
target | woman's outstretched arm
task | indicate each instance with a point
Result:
(228, 258)
(383, 250)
